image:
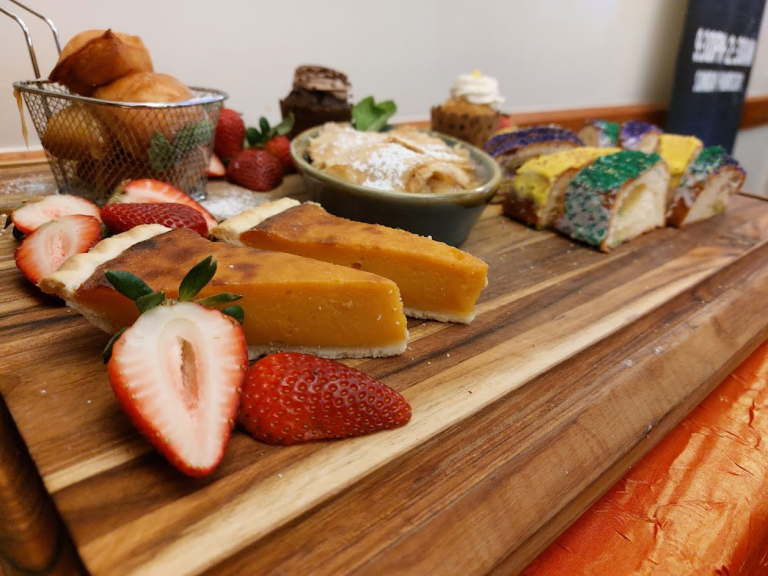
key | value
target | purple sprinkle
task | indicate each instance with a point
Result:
(633, 130)
(511, 142)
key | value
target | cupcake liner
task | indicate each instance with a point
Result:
(472, 128)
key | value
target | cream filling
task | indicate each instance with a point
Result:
(641, 206)
(714, 198)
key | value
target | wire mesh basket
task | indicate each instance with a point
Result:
(92, 145)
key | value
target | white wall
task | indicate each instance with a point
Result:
(549, 54)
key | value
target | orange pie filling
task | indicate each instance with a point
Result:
(290, 302)
(436, 281)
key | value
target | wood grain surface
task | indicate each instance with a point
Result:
(576, 364)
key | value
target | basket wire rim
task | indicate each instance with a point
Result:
(216, 96)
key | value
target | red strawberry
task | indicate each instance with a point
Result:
(216, 168)
(255, 169)
(31, 215)
(230, 134)
(504, 123)
(122, 217)
(178, 371)
(290, 397)
(177, 374)
(280, 148)
(154, 191)
(42, 252)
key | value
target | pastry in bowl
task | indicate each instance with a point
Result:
(134, 127)
(290, 303)
(404, 159)
(96, 57)
(404, 182)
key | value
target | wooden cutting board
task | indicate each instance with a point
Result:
(577, 363)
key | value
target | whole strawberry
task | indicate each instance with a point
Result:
(290, 397)
(280, 148)
(230, 134)
(255, 169)
(122, 217)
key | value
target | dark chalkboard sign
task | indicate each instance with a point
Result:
(713, 66)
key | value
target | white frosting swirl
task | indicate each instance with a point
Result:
(477, 89)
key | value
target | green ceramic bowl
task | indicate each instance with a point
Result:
(445, 217)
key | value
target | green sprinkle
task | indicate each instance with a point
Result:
(606, 174)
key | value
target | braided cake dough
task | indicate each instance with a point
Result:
(618, 197)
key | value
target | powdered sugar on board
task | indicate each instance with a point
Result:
(225, 200)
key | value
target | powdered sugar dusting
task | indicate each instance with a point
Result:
(224, 200)
(385, 166)
(404, 159)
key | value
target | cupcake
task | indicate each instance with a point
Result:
(319, 95)
(470, 113)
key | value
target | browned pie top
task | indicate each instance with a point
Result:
(162, 262)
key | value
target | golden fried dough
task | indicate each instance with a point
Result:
(134, 127)
(74, 133)
(94, 58)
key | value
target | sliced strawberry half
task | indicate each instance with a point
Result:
(42, 252)
(154, 191)
(122, 217)
(177, 373)
(31, 215)
(216, 168)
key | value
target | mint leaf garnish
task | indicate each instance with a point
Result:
(285, 126)
(368, 116)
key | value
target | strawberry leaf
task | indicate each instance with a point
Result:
(160, 152)
(234, 312)
(18, 234)
(9, 220)
(265, 128)
(217, 299)
(149, 301)
(253, 136)
(371, 117)
(127, 284)
(285, 126)
(200, 274)
(107, 354)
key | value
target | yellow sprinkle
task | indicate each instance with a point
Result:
(535, 177)
(678, 151)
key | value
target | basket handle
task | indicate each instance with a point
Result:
(28, 35)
